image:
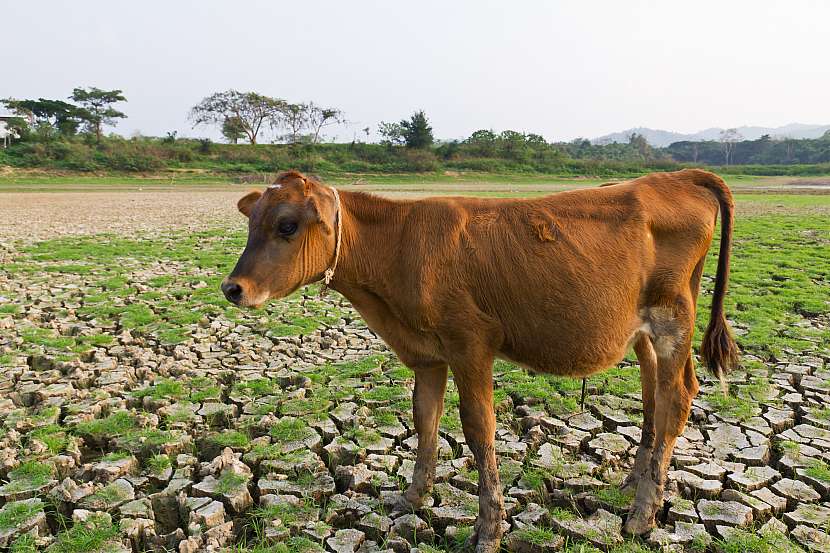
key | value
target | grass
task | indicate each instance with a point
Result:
(15, 513)
(157, 464)
(731, 406)
(115, 424)
(290, 430)
(536, 535)
(818, 470)
(230, 438)
(614, 496)
(230, 481)
(32, 470)
(89, 537)
(744, 541)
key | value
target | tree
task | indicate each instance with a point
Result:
(417, 133)
(233, 129)
(320, 117)
(295, 119)
(63, 117)
(249, 109)
(391, 134)
(728, 139)
(97, 107)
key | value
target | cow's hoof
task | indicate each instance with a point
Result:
(486, 538)
(640, 520)
(399, 504)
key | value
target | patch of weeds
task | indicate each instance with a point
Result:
(290, 430)
(14, 514)
(34, 472)
(256, 388)
(362, 435)
(117, 456)
(52, 435)
(742, 541)
(818, 470)
(157, 464)
(114, 425)
(536, 535)
(163, 389)
(614, 496)
(24, 544)
(86, 537)
(731, 406)
(230, 438)
(562, 514)
(230, 481)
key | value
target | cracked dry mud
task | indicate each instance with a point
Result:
(140, 412)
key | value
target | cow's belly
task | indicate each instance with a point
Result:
(572, 342)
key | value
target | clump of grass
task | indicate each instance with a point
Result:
(731, 406)
(230, 438)
(157, 464)
(290, 430)
(52, 435)
(818, 470)
(758, 542)
(536, 535)
(614, 496)
(32, 471)
(257, 387)
(363, 435)
(24, 544)
(90, 536)
(117, 456)
(230, 481)
(562, 514)
(15, 513)
(113, 425)
(163, 389)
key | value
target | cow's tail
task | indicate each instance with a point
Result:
(718, 349)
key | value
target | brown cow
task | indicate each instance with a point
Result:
(563, 284)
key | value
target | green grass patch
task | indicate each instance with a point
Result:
(15, 513)
(89, 537)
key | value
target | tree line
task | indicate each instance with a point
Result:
(246, 116)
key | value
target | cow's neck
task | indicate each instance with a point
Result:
(371, 234)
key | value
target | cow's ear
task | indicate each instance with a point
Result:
(246, 203)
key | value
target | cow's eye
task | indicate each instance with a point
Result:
(287, 228)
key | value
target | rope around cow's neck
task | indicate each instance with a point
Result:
(338, 229)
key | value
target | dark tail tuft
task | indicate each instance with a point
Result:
(718, 348)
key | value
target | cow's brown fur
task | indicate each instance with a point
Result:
(562, 284)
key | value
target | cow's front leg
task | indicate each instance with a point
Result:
(475, 388)
(427, 407)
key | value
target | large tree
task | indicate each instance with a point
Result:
(97, 107)
(320, 117)
(295, 120)
(249, 110)
(57, 115)
(417, 131)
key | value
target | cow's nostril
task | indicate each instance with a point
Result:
(232, 291)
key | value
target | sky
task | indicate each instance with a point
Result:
(559, 69)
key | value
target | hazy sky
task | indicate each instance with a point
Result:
(561, 69)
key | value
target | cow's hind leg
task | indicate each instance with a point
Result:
(648, 379)
(671, 335)
(427, 406)
(475, 389)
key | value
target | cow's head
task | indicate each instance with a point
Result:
(291, 240)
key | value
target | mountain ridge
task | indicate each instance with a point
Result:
(662, 138)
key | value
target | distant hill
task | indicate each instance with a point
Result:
(661, 138)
